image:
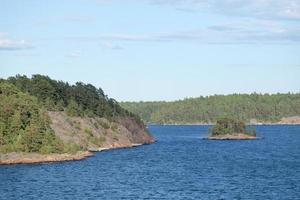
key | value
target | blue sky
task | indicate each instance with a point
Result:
(155, 49)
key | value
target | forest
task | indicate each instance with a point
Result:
(246, 107)
(24, 102)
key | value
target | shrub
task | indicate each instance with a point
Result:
(104, 124)
(88, 131)
(114, 127)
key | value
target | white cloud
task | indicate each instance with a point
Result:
(254, 21)
(7, 44)
(74, 54)
(247, 31)
(112, 46)
(250, 31)
(285, 9)
(267, 9)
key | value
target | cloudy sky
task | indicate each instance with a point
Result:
(155, 49)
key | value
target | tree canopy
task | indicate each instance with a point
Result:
(227, 125)
(79, 99)
(262, 107)
(24, 125)
(24, 102)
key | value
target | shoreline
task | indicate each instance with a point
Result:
(36, 158)
(232, 137)
(211, 124)
(14, 158)
(120, 147)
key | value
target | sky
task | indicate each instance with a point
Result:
(146, 50)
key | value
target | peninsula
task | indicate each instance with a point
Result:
(44, 120)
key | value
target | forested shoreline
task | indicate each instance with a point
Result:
(25, 124)
(260, 108)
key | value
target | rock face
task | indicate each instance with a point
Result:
(290, 120)
(31, 158)
(99, 133)
(293, 120)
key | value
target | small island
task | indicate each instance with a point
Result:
(231, 129)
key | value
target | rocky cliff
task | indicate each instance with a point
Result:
(95, 134)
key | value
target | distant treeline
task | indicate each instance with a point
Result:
(262, 107)
(24, 102)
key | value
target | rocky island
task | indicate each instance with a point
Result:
(44, 120)
(231, 129)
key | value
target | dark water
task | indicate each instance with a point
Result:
(179, 166)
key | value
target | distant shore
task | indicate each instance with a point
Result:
(210, 124)
(201, 124)
(36, 158)
(295, 120)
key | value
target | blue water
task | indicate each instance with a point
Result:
(180, 165)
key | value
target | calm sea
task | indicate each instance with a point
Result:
(181, 165)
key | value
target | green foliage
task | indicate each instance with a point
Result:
(98, 141)
(24, 126)
(24, 122)
(60, 106)
(77, 125)
(73, 109)
(114, 127)
(262, 107)
(73, 148)
(88, 131)
(115, 136)
(96, 125)
(79, 99)
(227, 125)
(103, 124)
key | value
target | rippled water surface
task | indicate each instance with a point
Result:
(180, 165)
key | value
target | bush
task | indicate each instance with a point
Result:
(88, 131)
(73, 148)
(98, 141)
(114, 127)
(104, 124)
(77, 125)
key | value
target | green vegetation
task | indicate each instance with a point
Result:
(77, 100)
(98, 141)
(24, 121)
(24, 125)
(229, 126)
(262, 107)
(103, 124)
(88, 131)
